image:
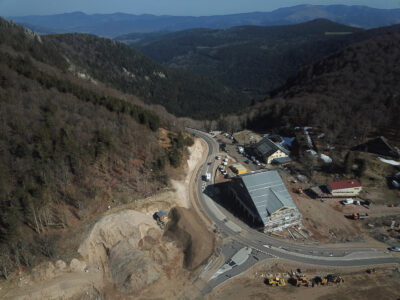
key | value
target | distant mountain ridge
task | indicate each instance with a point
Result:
(252, 59)
(112, 25)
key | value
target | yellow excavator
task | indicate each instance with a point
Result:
(276, 281)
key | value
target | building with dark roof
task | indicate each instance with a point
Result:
(266, 200)
(344, 188)
(267, 150)
(380, 146)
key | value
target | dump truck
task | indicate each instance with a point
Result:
(358, 216)
(276, 281)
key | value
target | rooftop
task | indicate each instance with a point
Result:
(162, 213)
(267, 147)
(267, 191)
(345, 184)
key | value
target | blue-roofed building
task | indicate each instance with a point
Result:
(266, 200)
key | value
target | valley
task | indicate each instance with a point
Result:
(249, 162)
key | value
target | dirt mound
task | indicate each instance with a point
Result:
(124, 256)
(186, 229)
(77, 265)
(131, 269)
(128, 245)
(44, 271)
(112, 229)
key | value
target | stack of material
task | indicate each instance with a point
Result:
(239, 169)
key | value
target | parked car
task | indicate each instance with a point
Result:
(247, 161)
(348, 201)
(395, 249)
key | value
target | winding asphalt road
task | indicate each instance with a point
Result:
(265, 246)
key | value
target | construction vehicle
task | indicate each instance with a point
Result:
(300, 280)
(334, 278)
(276, 281)
(317, 280)
(358, 216)
(305, 281)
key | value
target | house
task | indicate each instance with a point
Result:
(380, 146)
(264, 198)
(345, 188)
(238, 169)
(267, 150)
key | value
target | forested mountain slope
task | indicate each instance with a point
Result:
(349, 95)
(249, 58)
(63, 141)
(180, 92)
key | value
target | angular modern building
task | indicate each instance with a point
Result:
(263, 196)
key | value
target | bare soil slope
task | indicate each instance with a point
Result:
(187, 230)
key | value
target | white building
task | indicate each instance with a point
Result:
(345, 188)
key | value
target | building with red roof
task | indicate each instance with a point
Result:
(344, 188)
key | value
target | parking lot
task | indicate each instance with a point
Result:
(229, 148)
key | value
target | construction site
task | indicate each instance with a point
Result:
(335, 212)
(285, 280)
(166, 244)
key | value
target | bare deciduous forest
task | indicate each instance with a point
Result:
(62, 141)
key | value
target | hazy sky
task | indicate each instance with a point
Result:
(170, 7)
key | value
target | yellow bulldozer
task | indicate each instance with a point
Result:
(276, 281)
(300, 280)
